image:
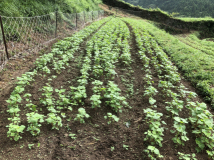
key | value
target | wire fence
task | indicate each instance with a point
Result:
(20, 36)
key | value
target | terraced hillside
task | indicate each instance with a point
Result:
(108, 92)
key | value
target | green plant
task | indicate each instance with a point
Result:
(28, 95)
(33, 119)
(38, 145)
(155, 132)
(180, 130)
(78, 93)
(153, 152)
(111, 118)
(13, 111)
(126, 147)
(210, 154)
(95, 101)
(48, 100)
(31, 106)
(54, 120)
(202, 123)
(97, 71)
(22, 146)
(14, 131)
(72, 147)
(114, 98)
(112, 148)
(186, 156)
(73, 136)
(150, 91)
(30, 145)
(175, 106)
(82, 114)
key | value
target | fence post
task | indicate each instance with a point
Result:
(56, 23)
(84, 17)
(5, 43)
(76, 19)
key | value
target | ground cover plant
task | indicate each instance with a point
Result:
(107, 92)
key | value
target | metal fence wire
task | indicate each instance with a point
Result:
(27, 35)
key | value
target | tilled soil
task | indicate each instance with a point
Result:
(96, 140)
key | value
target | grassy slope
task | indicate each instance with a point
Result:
(193, 8)
(17, 8)
(197, 65)
(156, 12)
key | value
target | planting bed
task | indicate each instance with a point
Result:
(108, 92)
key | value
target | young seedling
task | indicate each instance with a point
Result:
(33, 120)
(126, 147)
(186, 156)
(180, 130)
(73, 136)
(78, 93)
(54, 120)
(150, 91)
(14, 131)
(210, 154)
(82, 114)
(114, 98)
(112, 148)
(153, 152)
(28, 95)
(30, 145)
(155, 132)
(95, 100)
(111, 118)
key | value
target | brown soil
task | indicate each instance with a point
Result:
(95, 139)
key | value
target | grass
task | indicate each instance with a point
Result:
(23, 8)
(204, 42)
(190, 19)
(203, 45)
